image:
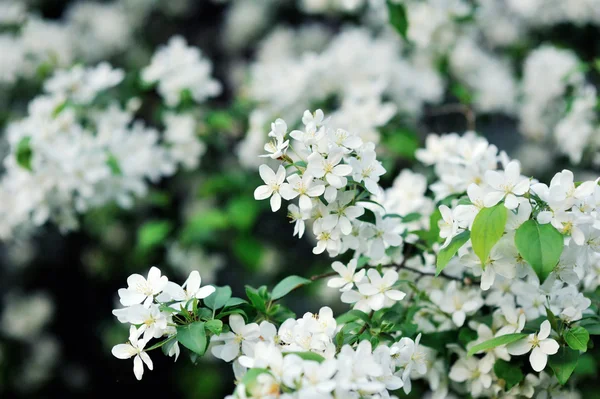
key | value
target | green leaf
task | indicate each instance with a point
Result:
(219, 298)
(511, 374)
(231, 302)
(315, 357)
(257, 301)
(577, 338)
(287, 285)
(193, 337)
(215, 326)
(398, 18)
(447, 253)
(552, 319)
(487, 230)
(152, 234)
(494, 342)
(24, 153)
(540, 245)
(586, 366)
(563, 363)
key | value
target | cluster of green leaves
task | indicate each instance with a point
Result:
(540, 245)
(209, 317)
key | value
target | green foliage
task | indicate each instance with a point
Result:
(287, 285)
(577, 338)
(152, 234)
(219, 298)
(403, 143)
(510, 373)
(563, 363)
(398, 18)
(203, 225)
(540, 245)
(258, 301)
(487, 230)
(242, 212)
(447, 253)
(249, 251)
(215, 326)
(24, 153)
(231, 302)
(494, 342)
(193, 337)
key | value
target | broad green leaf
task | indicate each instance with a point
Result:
(219, 298)
(586, 366)
(494, 342)
(563, 363)
(193, 337)
(487, 230)
(153, 233)
(287, 285)
(510, 373)
(398, 18)
(447, 253)
(231, 302)
(315, 357)
(24, 153)
(215, 326)
(540, 245)
(577, 338)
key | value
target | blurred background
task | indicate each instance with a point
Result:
(522, 73)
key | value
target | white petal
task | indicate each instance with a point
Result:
(262, 192)
(275, 202)
(545, 329)
(237, 324)
(266, 174)
(549, 346)
(138, 367)
(123, 351)
(205, 291)
(538, 359)
(519, 347)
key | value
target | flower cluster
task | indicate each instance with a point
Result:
(106, 154)
(330, 171)
(178, 67)
(149, 306)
